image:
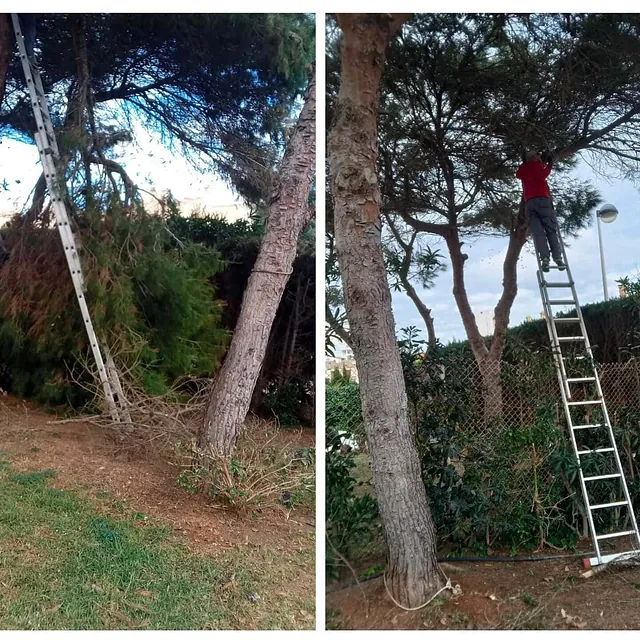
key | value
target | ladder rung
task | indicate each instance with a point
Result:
(606, 450)
(607, 476)
(563, 302)
(566, 319)
(570, 338)
(554, 266)
(615, 535)
(587, 426)
(557, 285)
(607, 505)
(570, 380)
(584, 402)
(574, 358)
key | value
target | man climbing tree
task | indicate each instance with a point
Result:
(412, 574)
(543, 223)
(289, 213)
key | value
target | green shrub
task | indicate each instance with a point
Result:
(352, 521)
(151, 301)
(284, 401)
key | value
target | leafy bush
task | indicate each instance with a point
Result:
(284, 401)
(151, 301)
(352, 521)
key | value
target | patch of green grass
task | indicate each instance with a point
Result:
(37, 477)
(527, 598)
(66, 563)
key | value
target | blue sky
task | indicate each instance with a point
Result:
(484, 267)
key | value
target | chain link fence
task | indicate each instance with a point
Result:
(495, 448)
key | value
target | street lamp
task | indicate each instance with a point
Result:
(607, 213)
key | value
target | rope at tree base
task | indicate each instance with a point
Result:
(456, 591)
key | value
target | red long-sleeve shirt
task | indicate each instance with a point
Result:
(534, 179)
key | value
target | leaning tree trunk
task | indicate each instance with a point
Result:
(412, 570)
(288, 215)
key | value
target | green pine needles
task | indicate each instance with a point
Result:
(151, 298)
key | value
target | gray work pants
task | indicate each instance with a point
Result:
(544, 228)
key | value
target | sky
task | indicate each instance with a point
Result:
(483, 269)
(151, 165)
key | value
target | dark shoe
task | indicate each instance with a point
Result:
(545, 264)
(560, 264)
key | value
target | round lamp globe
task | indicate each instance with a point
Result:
(607, 213)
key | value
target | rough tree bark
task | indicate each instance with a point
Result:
(412, 570)
(288, 215)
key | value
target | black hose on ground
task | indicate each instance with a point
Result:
(352, 583)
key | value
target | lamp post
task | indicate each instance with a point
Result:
(607, 213)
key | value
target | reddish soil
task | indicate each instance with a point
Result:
(502, 596)
(85, 459)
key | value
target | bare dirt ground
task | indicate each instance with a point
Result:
(540, 595)
(86, 461)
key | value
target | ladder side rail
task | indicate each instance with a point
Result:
(605, 411)
(45, 109)
(66, 235)
(556, 352)
(73, 264)
(616, 453)
(565, 394)
(556, 348)
(34, 86)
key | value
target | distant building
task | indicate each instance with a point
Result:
(343, 352)
(200, 208)
(344, 365)
(486, 323)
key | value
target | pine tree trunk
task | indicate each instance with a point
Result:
(289, 214)
(490, 371)
(412, 570)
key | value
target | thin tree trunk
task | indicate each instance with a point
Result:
(6, 47)
(296, 327)
(289, 214)
(489, 359)
(337, 328)
(412, 570)
(423, 310)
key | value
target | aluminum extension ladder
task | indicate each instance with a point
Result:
(589, 381)
(49, 156)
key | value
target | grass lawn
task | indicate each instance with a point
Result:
(71, 561)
